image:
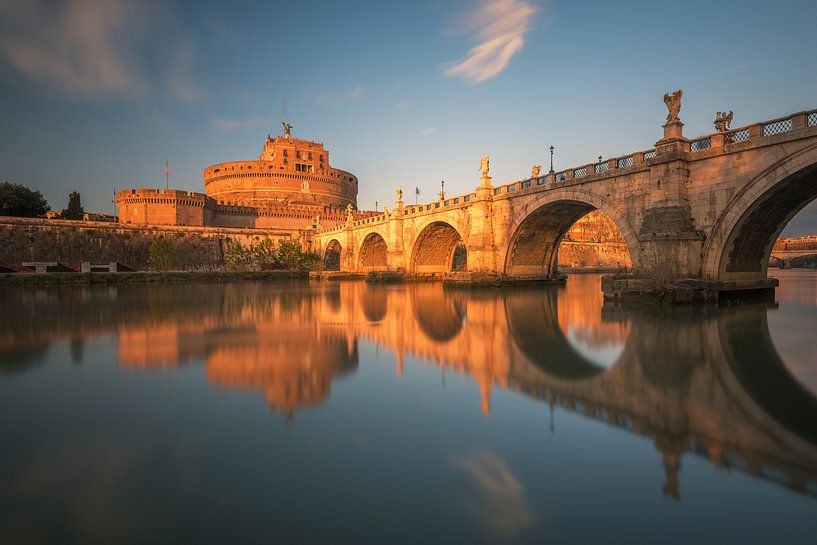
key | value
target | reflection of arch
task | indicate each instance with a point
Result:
(332, 296)
(439, 316)
(434, 248)
(757, 365)
(536, 231)
(744, 234)
(331, 259)
(533, 322)
(374, 253)
(374, 302)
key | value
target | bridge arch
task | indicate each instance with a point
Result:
(332, 255)
(434, 248)
(439, 315)
(373, 254)
(531, 244)
(744, 234)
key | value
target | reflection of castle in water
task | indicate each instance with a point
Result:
(706, 383)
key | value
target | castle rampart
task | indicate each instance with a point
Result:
(28, 239)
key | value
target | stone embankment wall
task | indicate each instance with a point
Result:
(25, 239)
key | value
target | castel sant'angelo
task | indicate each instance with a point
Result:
(290, 186)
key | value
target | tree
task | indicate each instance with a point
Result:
(18, 200)
(163, 255)
(74, 210)
(237, 257)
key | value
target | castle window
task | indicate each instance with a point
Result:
(285, 155)
(310, 155)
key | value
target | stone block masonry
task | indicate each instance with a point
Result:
(26, 239)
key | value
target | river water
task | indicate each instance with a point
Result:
(408, 413)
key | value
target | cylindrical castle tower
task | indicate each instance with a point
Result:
(289, 171)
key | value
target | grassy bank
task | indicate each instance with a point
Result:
(64, 279)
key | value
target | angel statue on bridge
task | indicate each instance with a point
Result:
(673, 102)
(535, 171)
(485, 165)
(723, 121)
(399, 192)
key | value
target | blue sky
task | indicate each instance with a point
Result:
(97, 94)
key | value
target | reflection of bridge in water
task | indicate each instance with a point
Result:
(710, 383)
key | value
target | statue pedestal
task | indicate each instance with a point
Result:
(485, 188)
(672, 130)
(673, 140)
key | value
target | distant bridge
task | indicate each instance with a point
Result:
(706, 210)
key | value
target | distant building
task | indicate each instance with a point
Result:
(288, 187)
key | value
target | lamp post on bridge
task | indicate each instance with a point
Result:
(551, 159)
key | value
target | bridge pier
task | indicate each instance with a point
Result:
(629, 288)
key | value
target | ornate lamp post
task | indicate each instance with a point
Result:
(551, 159)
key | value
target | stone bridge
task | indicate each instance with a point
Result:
(705, 211)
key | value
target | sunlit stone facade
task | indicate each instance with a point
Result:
(290, 186)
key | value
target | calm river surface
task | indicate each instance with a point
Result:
(356, 413)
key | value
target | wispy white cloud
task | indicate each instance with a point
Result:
(500, 27)
(428, 131)
(236, 124)
(91, 48)
(339, 97)
(404, 105)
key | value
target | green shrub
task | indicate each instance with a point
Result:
(265, 255)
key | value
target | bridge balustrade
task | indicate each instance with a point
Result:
(735, 137)
(777, 127)
(700, 145)
(625, 162)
